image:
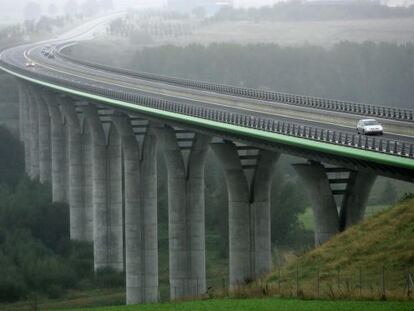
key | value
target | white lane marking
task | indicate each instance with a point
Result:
(128, 85)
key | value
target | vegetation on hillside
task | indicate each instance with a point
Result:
(369, 259)
(36, 256)
(45, 25)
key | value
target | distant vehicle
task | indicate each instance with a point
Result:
(50, 55)
(369, 126)
(30, 64)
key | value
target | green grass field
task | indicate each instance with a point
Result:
(267, 304)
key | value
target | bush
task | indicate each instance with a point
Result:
(12, 285)
(109, 278)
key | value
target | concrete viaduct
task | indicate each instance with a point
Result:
(92, 132)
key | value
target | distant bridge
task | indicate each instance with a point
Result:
(92, 131)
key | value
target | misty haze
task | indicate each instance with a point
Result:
(206, 154)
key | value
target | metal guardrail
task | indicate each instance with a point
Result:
(286, 98)
(381, 145)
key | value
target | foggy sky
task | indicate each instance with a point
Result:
(12, 10)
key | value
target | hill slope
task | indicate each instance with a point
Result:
(374, 255)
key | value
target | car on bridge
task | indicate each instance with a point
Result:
(30, 64)
(369, 126)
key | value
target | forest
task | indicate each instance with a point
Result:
(317, 11)
(37, 259)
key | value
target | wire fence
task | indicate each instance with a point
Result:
(373, 283)
(363, 282)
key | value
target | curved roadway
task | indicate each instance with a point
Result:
(64, 69)
(59, 67)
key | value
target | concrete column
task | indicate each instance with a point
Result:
(262, 186)
(325, 211)
(106, 196)
(45, 162)
(58, 150)
(22, 110)
(249, 213)
(80, 208)
(185, 214)
(356, 197)
(87, 177)
(34, 135)
(141, 237)
(26, 127)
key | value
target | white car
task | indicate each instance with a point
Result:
(30, 64)
(369, 126)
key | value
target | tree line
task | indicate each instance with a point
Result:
(314, 11)
(375, 73)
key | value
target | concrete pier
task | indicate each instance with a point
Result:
(34, 134)
(325, 213)
(185, 166)
(79, 175)
(26, 129)
(22, 110)
(356, 198)
(45, 161)
(249, 211)
(59, 160)
(106, 194)
(328, 221)
(141, 236)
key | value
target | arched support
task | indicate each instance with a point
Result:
(79, 175)
(249, 209)
(106, 195)
(59, 169)
(325, 212)
(356, 198)
(328, 221)
(141, 236)
(185, 154)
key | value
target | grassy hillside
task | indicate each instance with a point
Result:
(368, 259)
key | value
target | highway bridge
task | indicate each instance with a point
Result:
(92, 131)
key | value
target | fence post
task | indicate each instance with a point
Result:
(339, 278)
(317, 283)
(297, 280)
(280, 281)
